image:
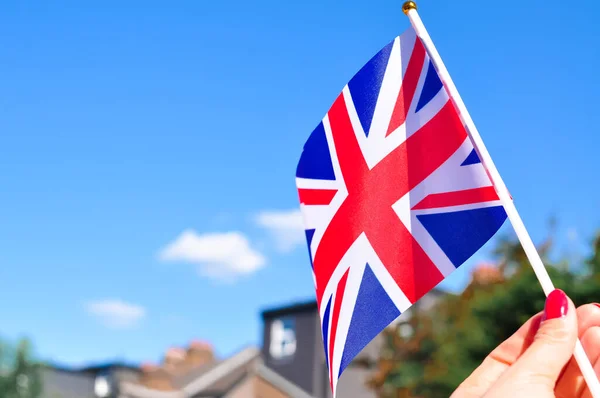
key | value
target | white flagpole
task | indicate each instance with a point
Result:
(410, 9)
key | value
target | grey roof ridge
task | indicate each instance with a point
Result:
(281, 382)
(195, 386)
(222, 369)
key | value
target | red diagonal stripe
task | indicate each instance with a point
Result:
(316, 196)
(339, 295)
(350, 157)
(413, 161)
(409, 86)
(341, 231)
(403, 257)
(457, 198)
(371, 194)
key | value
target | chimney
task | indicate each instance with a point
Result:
(155, 377)
(176, 362)
(174, 359)
(199, 353)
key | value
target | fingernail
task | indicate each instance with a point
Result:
(596, 304)
(557, 305)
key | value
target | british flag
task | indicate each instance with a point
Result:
(393, 196)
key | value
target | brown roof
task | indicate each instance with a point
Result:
(227, 382)
(193, 374)
(218, 375)
(217, 379)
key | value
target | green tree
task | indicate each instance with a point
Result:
(19, 372)
(454, 336)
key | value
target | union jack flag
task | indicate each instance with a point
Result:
(393, 195)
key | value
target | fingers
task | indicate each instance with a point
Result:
(592, 349)
(554, 341)
(586, 392)
(499, 360)
(588, 316)
(507, 354)
(540, 365)
(571, 383)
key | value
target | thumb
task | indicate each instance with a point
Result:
(553, 343)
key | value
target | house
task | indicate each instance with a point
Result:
(191, 372)
(290, 363)
(242, 375)
(98, 381)
(293, 348)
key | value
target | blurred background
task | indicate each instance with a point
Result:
(151, 243)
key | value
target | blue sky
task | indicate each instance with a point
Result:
(135, 136)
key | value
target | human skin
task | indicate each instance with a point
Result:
(537, 361)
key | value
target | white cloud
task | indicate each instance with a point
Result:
(221, 256)
(116, 314)
(285, 226)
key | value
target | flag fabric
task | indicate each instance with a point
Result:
(393, 196)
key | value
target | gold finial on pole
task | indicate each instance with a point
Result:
(408, 5)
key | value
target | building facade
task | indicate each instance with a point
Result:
(293, 347)
(289, 363)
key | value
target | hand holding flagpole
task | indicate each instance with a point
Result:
(410, 9)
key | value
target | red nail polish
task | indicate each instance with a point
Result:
(557, 305)
(596, 304)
